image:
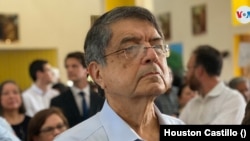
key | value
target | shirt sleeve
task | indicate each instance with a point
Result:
(6, 132)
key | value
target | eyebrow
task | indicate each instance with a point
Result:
(156, 39)
(129, 39)
(136, 39)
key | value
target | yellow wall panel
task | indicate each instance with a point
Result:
(14, 64)
(237, 69)
(110, 4)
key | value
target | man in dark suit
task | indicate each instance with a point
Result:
(78, 107)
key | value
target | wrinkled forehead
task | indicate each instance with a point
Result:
(136, 29)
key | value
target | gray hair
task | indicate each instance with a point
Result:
(100, 34)
(235, 81)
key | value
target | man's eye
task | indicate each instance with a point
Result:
(157, 46)
(130, 49)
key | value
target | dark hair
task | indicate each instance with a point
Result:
(21, 109)
(100, 34)
(35, 66)
(39, 119)
(79, 56)
(210, 58)
(235, 81)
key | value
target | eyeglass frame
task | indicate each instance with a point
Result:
(50, 129)
(167, 50)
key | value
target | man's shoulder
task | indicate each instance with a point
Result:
(76, 133)
(27, 92)
(232, 93)
(53, 92)
(234, 96)
(64, 95)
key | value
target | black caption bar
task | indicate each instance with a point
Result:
(235, 132)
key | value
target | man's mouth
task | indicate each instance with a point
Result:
(151, 73)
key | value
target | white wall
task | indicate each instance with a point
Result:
(63, 24)
(220, 31)
(60, 24)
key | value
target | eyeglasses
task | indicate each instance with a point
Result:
(49, 130)
(135, 50)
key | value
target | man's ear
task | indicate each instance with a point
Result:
(94, 71)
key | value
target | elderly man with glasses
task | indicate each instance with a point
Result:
(126, 56)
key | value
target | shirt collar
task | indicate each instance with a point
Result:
(118, 129)
(216, 91)
(37, 90)
(76, 90)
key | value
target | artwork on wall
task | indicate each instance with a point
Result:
(9, 28)
(199, 19)
(165, 23)
(244, 54)
(175, 61)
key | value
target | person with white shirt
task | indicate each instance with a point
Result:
(39, 94)
(6, 132)
(126, 56)
(215, 103)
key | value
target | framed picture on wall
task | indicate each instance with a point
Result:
(9, 27)
(199, 19)
(175, 60)
(165, 23)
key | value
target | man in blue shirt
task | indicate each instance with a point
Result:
(126, 56)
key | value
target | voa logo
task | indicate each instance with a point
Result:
(243, 14)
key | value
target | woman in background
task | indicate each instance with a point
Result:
(46, 124)
(12, 108)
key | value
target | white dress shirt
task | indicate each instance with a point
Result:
(221, 105)
(106, 125)
(35, 99)
(78, 97)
